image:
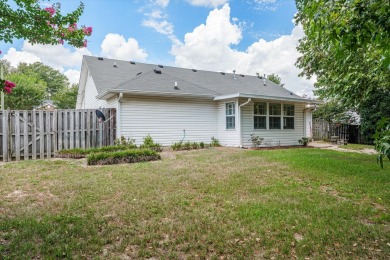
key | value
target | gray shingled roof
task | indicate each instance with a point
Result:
(140, 77)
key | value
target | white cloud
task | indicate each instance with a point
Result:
(15, 57)
(265, 4)
(207, 3)
(55, 56)
(115, 46)
(209, 47)
(162, 3)
(162, 26)
(73, 76)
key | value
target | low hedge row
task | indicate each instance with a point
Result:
(126, 156)
(78, 153)
(188, 146)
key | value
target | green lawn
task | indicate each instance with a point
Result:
(213, 203)
(357, 146)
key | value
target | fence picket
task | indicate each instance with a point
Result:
(52, 131)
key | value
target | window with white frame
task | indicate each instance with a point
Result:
(288, 116)
(230, 116)
(275, 113)
(260, 115)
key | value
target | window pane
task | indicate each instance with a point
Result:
(230, 122)
(288, 123)
(260, 122)
(274, 123)
(275, 109)
(230, 109)
(288, 110)
(260, 109)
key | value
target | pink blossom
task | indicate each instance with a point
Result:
(50, 10)
(9, 84)
(61, 41)
(87, 31)
(85, 43)
(7, 90)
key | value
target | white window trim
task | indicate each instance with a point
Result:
(268, 115)
(234, 116)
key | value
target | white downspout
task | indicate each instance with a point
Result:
(239, 119)
(119, 117)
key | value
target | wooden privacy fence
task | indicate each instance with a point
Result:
(38, 134)
(322, 131)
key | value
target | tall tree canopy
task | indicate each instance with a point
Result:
(347, 46)
(55, 80)
(66, 98)
(26, 19)
(29, 93)
(275, 78)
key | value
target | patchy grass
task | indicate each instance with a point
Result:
(356, 146)
(213, 203)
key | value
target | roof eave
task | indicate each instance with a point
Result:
(244, 95)
(112, 92)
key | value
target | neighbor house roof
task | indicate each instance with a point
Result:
(117, 76)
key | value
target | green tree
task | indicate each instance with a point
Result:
(331, 112)
(376, 106)
(66, 98)
(26, 19)
(347, 46)
(30, 92)
(55, 80)
(275, 79)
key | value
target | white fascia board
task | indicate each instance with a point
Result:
(243, 95)
(82, 82)
(109, 93)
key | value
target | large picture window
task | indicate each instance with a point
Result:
(288, 116)
(275, 113)
(260, 116)
(230, 116)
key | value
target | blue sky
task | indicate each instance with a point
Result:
(220, 35)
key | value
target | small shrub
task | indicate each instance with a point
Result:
(150, 144)
(127, 156)
(195, 145)
(256, 140)
(214, 142)
(304, 141)
(187, 146)
(201, 144)
(122, 141)
(176, 146)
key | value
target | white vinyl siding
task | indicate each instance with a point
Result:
(272, 136)
(166, 118)
(90, 101)
(227, 137)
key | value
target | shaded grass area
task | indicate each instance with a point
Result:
(356, 146)
(213, 203)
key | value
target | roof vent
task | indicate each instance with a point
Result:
(100, 58)
(132, 62)
(115, 66)
(242, 75)
(234, 74)
(157, 71)
(223, 73)
(139, 73)
(264, 80)
(176, 87)
(194, 70)
(161, 66)
(291, 93)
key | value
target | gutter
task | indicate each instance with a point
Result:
(153, 93)
(244, 95)
(239, 119)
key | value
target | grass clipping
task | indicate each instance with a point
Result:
(126, 156)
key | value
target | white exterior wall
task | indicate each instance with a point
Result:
(90, 93)
(227, 137)
(165, 119)
(273, 136)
